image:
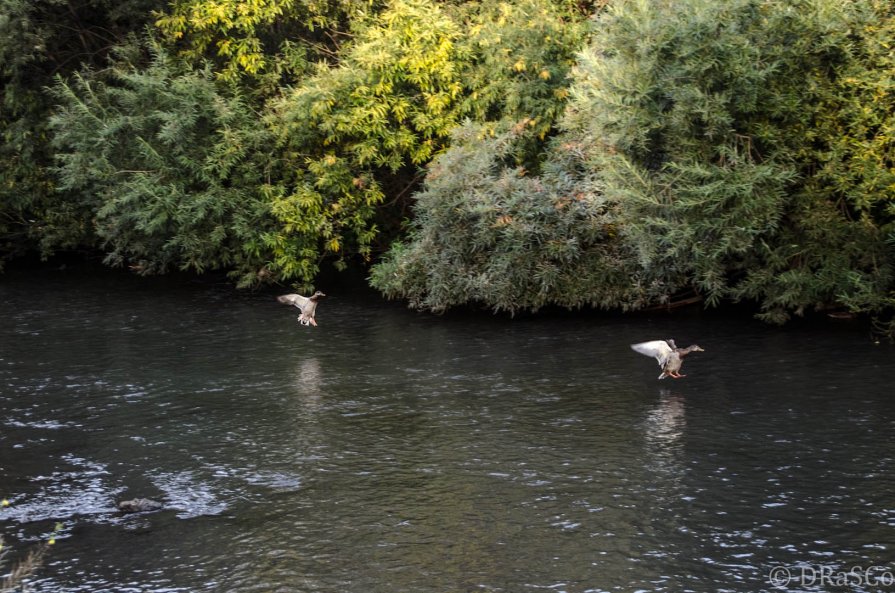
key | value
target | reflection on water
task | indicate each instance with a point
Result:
(308, 384)
(666, 422)
(390, 451)
(665, 429)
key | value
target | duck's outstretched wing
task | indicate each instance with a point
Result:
(658, 349)
(294, 299)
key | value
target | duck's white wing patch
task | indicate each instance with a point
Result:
(658, 349)
(294, 299)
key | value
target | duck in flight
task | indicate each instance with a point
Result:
(307, 306)
(670, 357)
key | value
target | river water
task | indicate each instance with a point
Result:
(388, 451)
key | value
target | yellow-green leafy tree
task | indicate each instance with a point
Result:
(268, 41)
(357, 127)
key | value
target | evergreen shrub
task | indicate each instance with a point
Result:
(486, 232)
(169, 163)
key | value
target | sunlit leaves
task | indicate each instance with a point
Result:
(388, 103)
(259, 38)
(229, 29)
(520, 55)
(860, 122)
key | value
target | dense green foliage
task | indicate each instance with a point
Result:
(520, 57)
(354, 132)
(168, 164)
(743, 151)
(612, 155)
(268, 137)
(41, 39)
(387, 104)
(856, 169)
(271, 42)
(486, 232)
(711, 140)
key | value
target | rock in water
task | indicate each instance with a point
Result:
(139, 505)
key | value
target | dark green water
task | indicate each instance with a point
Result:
(391, 452)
